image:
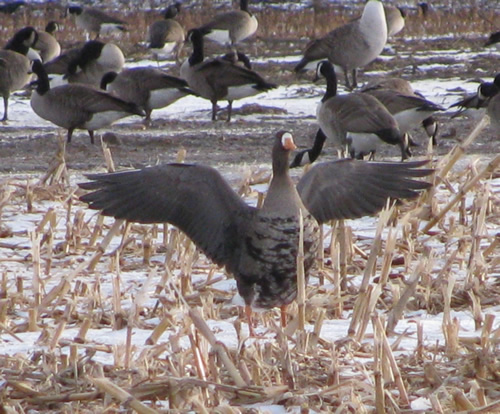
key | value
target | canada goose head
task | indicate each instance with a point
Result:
(494, 38)
(23, 40)
(75, 10)
(52, 27)
(172, 11)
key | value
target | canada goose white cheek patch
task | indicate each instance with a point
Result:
(240, 92)
(219, 36)
(162, 97)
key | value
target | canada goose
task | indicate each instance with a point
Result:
(148, 88)
(77, 106)
(15, 67)
(402, 86)
(308, 156)
(11, 7)
(485, 91)
(231, 27)
(219, 79)
(95, 21)
(408, 110)
(47, 45)
(258, 246)
(357, 120)
(493, 39)
(166, 37)
(395, 19)
(94, 60)
(352, 45)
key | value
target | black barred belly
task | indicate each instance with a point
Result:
(267, 274)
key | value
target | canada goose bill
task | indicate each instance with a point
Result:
(352, 45)
(219, 79)
(15, 67)
(479, 100)
(166, 37)
(93, 61)
(232, 27)
(77, 106)
(94, 21)
(47, 46)
(148, 88)
(258, 246)
(356, 120)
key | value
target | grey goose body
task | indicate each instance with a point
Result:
(148, 88)
(219, 79)
(166, 37)
(258, 246)
(77, 106)
(231, 27)
(403, 87)
(356, 120)
(94, 21)
(350, 46)
(15, 67)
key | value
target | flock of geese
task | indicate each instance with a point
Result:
(258, 246)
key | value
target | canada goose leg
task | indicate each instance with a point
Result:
(354, 78)
(5, 108)
(229, 110)
(91, 135)
(214, 110)
(346, 77)
(248, 313)
(70, 134)
(283, 315)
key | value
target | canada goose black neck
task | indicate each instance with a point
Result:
(22, 40)
(107, 79)
(196, 38)
(325, 68)
(43, 84)
(244, 6)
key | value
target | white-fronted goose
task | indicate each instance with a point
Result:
(95, 21)
(258, 246)
(219, 79)
(148, 88)
(356, 120)
(77, 106)
(352, 45)
(485, 91)
(47, 45)
(93, 61)
(15, 67)
(166, 37)
(232, 27)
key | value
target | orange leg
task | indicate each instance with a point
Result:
(248, 313)
(283, 315)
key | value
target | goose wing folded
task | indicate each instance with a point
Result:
(194, 198)
(348, 189)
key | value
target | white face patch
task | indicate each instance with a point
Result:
(287, 141)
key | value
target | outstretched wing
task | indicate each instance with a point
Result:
(194, 198)
(348, 189)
